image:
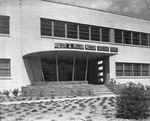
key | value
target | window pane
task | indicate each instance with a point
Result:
(118, 36)
(119, 69)
(4, 24)
(144, 39)
(145, 70)
(136, 38)
(128, 69)
(46, 27)
(95, 33)
(149, 39)
(59, 29)
(137, 70)
(127, 37)
(84, 32)
(105, 35)
(4, 67)
(72, 30)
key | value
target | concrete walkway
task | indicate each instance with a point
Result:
(30, 101)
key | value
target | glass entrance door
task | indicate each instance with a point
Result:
(49, 69)
(65, 68)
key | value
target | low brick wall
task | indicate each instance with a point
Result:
(72, 88)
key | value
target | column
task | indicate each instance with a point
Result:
(56, 57)
(73, 71)
(41, 67)
(87, 61)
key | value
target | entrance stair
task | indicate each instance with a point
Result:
(101, 90)
(75, 88)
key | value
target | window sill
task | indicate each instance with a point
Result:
(132, 77)
(5, 35)
(5, 78)
(81, 40)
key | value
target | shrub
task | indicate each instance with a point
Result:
(15, 92)
(6, 92)
(132, 103)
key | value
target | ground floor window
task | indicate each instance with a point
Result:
(132, 69)
(5, 68)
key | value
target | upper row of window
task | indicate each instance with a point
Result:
(87, 32)
(73, 30)
(81, 31)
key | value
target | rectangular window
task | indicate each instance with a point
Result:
(59, 29)
(136, 38)
(145, 70)
(105, 35)
(149, 39)
(128, 69)
(46, 27)
(4, 67)
(127, 37)
(137, 69)
(132, 69)
(119, 69)
(118, 36)
(72, 30)
(95, 33)
(4, 24)
(84, 32)
(144, 39)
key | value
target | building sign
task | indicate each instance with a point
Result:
(86, 47)
(113, 49)
(103, 48)
(69, 46)
(90, 47)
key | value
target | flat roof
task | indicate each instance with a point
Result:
(96, 9)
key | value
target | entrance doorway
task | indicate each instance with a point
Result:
(65, 70)
(71, 66)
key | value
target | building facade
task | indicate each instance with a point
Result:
(45, 41)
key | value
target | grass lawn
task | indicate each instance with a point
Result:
(75, 109)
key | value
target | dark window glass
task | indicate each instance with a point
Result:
(59, 29)
(136, 38)
(127, 37)
(149, 39)
(72, 30)
(144, 39)
(46, 27)
(4, 24)
(118, 36)
(49, 69)
(105, 35)
(84, 32)
(4, 67)
(119, 69)
(127, 69)
(137, 70)
(145, 70)
(95, 33)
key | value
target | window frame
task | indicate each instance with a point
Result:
(4, 25)
(5, 68)
(135, 70)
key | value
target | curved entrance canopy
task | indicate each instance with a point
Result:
(67, 66)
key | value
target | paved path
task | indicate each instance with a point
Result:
(30, 101)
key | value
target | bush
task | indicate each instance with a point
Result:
(15, 92)
(6, 92)
(132, 103)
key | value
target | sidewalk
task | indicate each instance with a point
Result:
(30, 101)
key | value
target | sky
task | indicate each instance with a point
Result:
(136, 8)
